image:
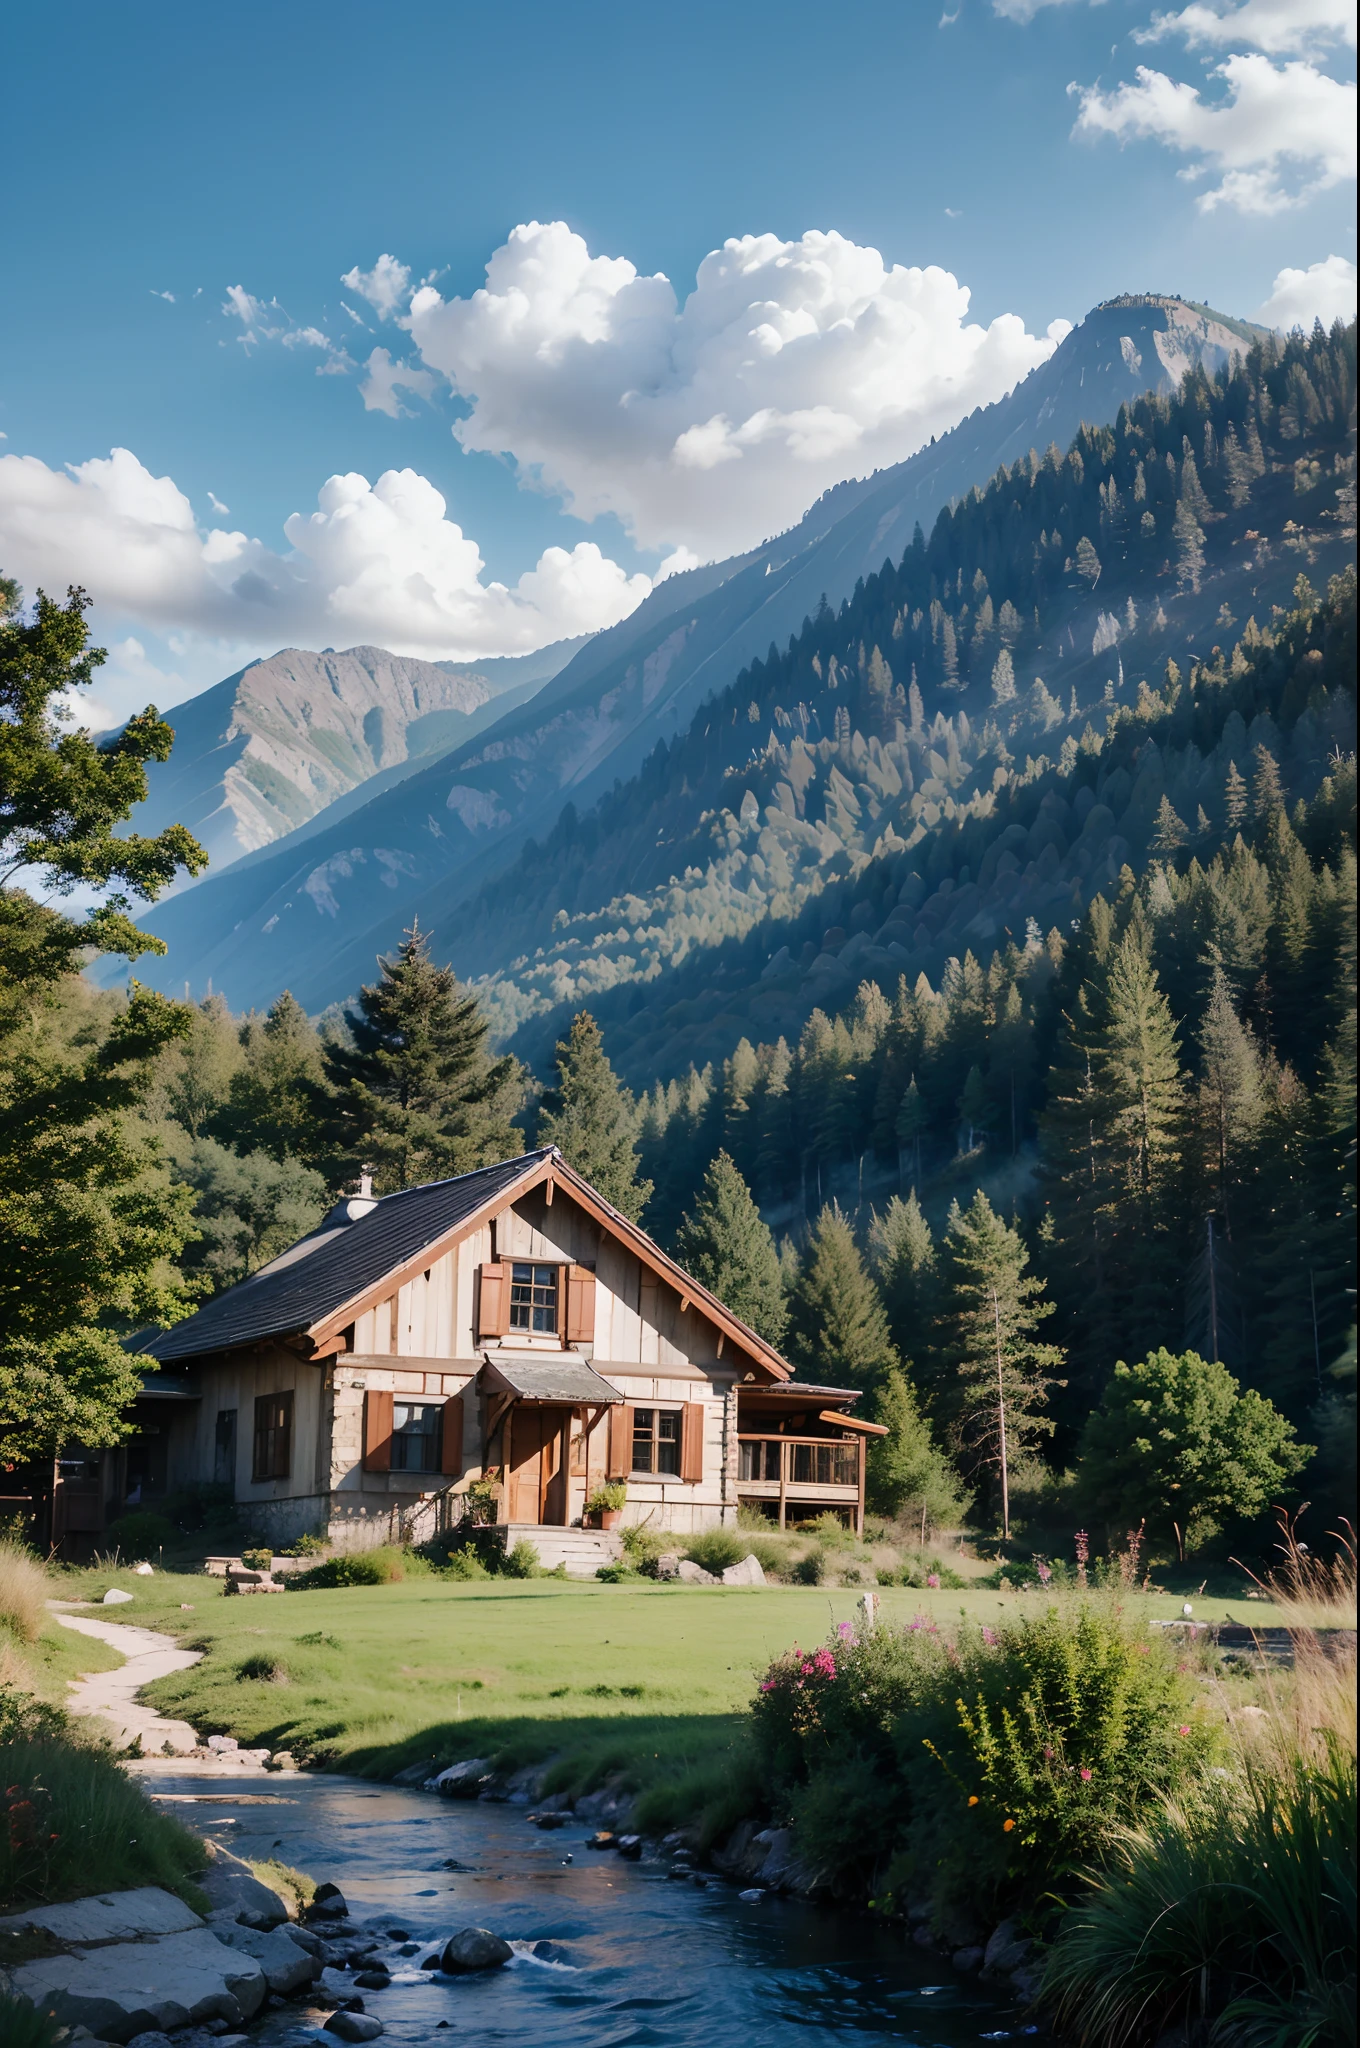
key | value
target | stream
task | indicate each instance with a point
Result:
(649, 1962)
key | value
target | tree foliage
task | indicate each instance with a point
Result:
(725, 1243)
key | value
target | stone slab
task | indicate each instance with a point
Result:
(165, 1982)
(112, 1916)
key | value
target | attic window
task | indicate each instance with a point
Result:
(533, 1299)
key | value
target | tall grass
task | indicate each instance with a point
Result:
(24, 1589)
(1234, 1913)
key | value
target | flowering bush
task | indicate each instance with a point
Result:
(979, 1767)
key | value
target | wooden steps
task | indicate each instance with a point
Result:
(582, 1551)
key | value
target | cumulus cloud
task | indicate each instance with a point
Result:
(386, 286)
(1282, 28)
(375, 562)
(1324, 291)
(1025, 10)
(711, 424)
(1280, 134)
(386, 378)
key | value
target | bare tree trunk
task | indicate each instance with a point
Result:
(1001, 1422)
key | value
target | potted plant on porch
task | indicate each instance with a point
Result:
(604, 1507)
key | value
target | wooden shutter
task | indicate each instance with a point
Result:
(580, 1305)
(620, 1443)
(451, 1437)
(377, 1432)
(692, 1441)
(493, 1301)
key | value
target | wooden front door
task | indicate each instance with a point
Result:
(538, 1483)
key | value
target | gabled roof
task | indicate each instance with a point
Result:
(318, 1287)
(548, 1376)
(338, 1261)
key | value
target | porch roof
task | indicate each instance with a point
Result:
(558, 1376)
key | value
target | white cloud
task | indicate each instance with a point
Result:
(169, 297)
(306, 337)
(1282, 28)
(385, 378)
(1324, 291)
(223, 510)
(709, 425)
(375, 562)
(385, 286)
(1282, 133)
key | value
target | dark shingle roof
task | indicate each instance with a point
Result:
(336, 1263)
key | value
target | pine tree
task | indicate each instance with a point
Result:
(1168, 832)
(991, 1313)
(199, 1070)
(1189, 537)
(1088, 562)
(838, 1332)
(951, 654)
(1003, 678)
(1231, 1101)
(909, 1478)
(1267, 791)
(973, 1106)
(1234, 800)
(725, 1244)
(902, 1252)
(277, 1097)
(415, 1094)
(910, 1125)
(592, 1119)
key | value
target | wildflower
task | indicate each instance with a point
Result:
(933, 1579)
(990, 1638)
(844, 1628)
(1085, 1776)
(1006, 1826)
(1044, 1572)
(972, 1799)
(1183, 1729)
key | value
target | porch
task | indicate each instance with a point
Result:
(802, 1454)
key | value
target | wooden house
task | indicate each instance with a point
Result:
(508, 1326)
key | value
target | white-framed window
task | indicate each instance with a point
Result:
(534, 1295)
(416, 1432)
(656, 1441)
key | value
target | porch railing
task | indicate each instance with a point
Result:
(799, 1461)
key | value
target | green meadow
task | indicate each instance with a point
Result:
(641, 1679)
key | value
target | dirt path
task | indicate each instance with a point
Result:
(111, 1696)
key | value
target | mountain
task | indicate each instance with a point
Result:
(264, 751)
(312, 914)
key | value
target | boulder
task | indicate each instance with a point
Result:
(1007, 1950)
(746, 1573)
(668, 1565)
(287, 1967)
(474, 1948)
(691, 1574)
(117, 1916)
(115, 1597)
(629, 1847)
(236, 1896)
(354, 2026)
(463, 1780)
(327, 1903)
(304, 1938)
(281, 1760)
(967, 1960)
(136, 1987)
(152, 2040)
(373, 1980)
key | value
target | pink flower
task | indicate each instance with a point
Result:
(843, 1629)
(1085, 1776)
(933, 1579)
(1044, 1572)
(1183, 1729)
(990, 1638)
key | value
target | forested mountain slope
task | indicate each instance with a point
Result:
(314, 914)
(903, 783)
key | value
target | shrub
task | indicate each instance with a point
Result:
(465, 1564)
(522, 1562)
(616, 1574)
(140, 1534)
(359, 1568)
(770, 1553)
(715, 1549)
(1004, 1759)
(608, 1498)
(73, 1821)
(810, 1570)
(24, 1588)
(260, 1559)
(306, 1546)
(643, 1546)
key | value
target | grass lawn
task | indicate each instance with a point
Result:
(641, 1678)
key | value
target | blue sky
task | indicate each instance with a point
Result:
(277, 149)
